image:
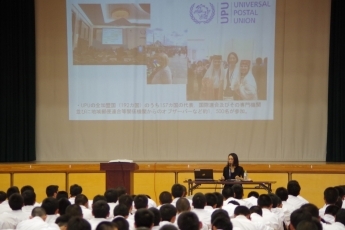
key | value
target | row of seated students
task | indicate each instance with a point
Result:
(116, 209)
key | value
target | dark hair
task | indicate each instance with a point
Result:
(78, 223)
(165, 197)
(238, 191)
(50, 204)
(340, 216)
(38, 211)
(332, 209)
(311, 208)
(61, 194)
(307, 224)
(98, 198)
(254, 194)
(121, 223)
(29, 197)
(222, 223)
(219, 199)
(16, 201)
(74, 210)
(51, 190)
(232, 53)
(219, 213)
(75, 190)
(25, 188)
(264, 200)
(3, 196)
(105, 225)
(241, 210)
(81, 199)
(199, 200)
(236, 161)
(157, 216)
(12, 190)
(143, 218)
(62, 220)
(293, 188)
(339, 202)
(227, 192)
(282, 193)
(126, 200)
(298, 215)
(120, 190)
(168, 227)
(340, 191)
(256, 209)
(100, 209)
(182, 204)
(177, 190)
(63, 204)
(111, 195)
(167, 211)
(188, 221)
(276, 201)
(211, 199)
(141, 201)
(121, 210)
(330, 195)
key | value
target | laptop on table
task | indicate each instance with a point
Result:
(203, 174)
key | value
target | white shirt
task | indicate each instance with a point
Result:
(336, 226)
(111, 210)
(51, 218)
(28, 209)
(72, 199)
(130, 221)
(329, 218)
(240, 201)
(322, 210)
(203, 215)
(295, 201)
(259, 222)
(164, 222)
(5, 207)
(95, 221)
(151, 203)
(252, 200)
(288, 206)
(281, 217)
(243, 223)
(36, 223)
(230, 208)
(10, 220)
(87, 213)
(272, 218)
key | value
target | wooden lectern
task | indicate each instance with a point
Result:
(119, 174)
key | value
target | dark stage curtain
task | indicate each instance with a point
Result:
(336, 88)
(18, 81)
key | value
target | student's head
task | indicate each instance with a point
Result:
(38, 211)
(12, 190)
(98, 198)
(293, 188)
(168, 212)
(52, 190)
(120, 190)
(227, 192)
(340, 191)
(211, 199)
(256, 209)
(61, 194)
(62, 221)
(74, 210)
(222, 223)
(111, 195)
(276, 201)
(25, 188)
(141, 201)
(121, 210)
(253, 193)
(50, 205)
(63, 204)
(332, 209)
(238, 191)
(75, 190)
(242, 210)
(81, 199)
(16, 201)
(188, 221)
(168, 227)
(106, 225)
(157, 216)
(219, 213)
(311, 208)
(177, 190)
(309, 225)
(233, 160)
(297, 216)
(264, 201)
(100, 209)
(330, 195)
(165, 197)
(340, 216)
(126, 200)
(182, 205)
(121, 223)
(29, 197)
(282, 193)
(78, 223)
(143, 218)
(199, 200)
(219, 199)
(3, 196)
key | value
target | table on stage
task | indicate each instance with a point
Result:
(194, 184)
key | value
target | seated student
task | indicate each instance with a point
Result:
(29, 198)
(297, 216)
(330, 213)
(100, 211)
(62, 194)
(4, 206)
(127, 200)
(62, 221)
(111, 197)
(238, 195)
(265, 203)
(74, 190)
(164, 198)
(121, 210)
(258, 220)
(339, 220)
(178, 191)
(341, 192)
(156, 219)
(282, 193)
(188, 221)
(182, 205)
(51, 206)
(143, 219)
(36, 221)
(77, 223)
(242, 219)
(95, 199)
(26, 187)
(63, 204)
(211, 202)
(83, 202)
(140, 202)
(330, 196)
(277, 209)
(294, 197)
(228, 196)
(222, 223)
(74, 210)
(252, 198)
(121, 223)
(220, 199)
(199, 202)
(52, 190)
(168, 214)
(10, 219)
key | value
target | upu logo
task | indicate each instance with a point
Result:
(202, 13)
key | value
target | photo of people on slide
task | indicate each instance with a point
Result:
(110, 34)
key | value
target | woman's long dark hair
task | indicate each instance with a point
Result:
(236, 162)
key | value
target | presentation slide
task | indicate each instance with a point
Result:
(171, 59)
